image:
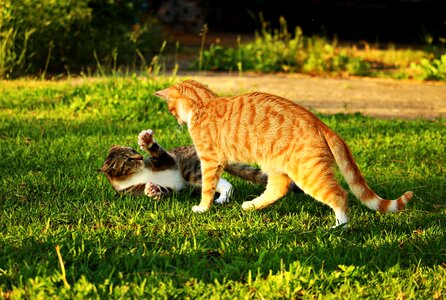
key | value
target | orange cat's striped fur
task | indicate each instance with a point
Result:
(286, 140)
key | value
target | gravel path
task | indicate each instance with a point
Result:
(383, 98)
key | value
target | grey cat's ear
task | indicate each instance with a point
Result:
(105, 167)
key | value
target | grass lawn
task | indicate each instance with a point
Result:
(55, 135)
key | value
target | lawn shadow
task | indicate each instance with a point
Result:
(119, 252)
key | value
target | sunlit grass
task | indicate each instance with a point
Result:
(391, 55)
(55, 136)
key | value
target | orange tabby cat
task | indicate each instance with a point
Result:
(286, 140)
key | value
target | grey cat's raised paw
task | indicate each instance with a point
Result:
(153, 191)
(145, 139)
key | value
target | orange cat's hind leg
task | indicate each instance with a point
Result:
(324, 187)
(276, 188)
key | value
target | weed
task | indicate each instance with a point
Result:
(277, 50)
(431, 69)
(203, 33)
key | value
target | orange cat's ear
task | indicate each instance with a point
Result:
(163, 93)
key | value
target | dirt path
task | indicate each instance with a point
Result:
(374, 97)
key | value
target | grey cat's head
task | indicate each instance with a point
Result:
(121, 163)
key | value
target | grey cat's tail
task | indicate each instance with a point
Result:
(255, 175)
(247, 172)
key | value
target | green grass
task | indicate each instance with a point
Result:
(54, 137)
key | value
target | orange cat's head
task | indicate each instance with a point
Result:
(183, 97)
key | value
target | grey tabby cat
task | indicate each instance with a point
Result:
(166, 171)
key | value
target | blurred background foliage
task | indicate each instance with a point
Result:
(38, 35)
(56, 38)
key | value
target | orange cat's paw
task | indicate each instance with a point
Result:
(145, 139)
(248, 205)
(199, 209)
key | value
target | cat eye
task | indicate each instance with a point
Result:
(135, 157)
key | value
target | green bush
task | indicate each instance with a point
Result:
(279, 51)
(59, 35)
(434, 69)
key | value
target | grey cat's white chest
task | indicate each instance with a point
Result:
(170, 178)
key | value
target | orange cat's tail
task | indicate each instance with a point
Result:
(356, 182)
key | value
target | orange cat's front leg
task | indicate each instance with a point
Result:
(211, 171)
